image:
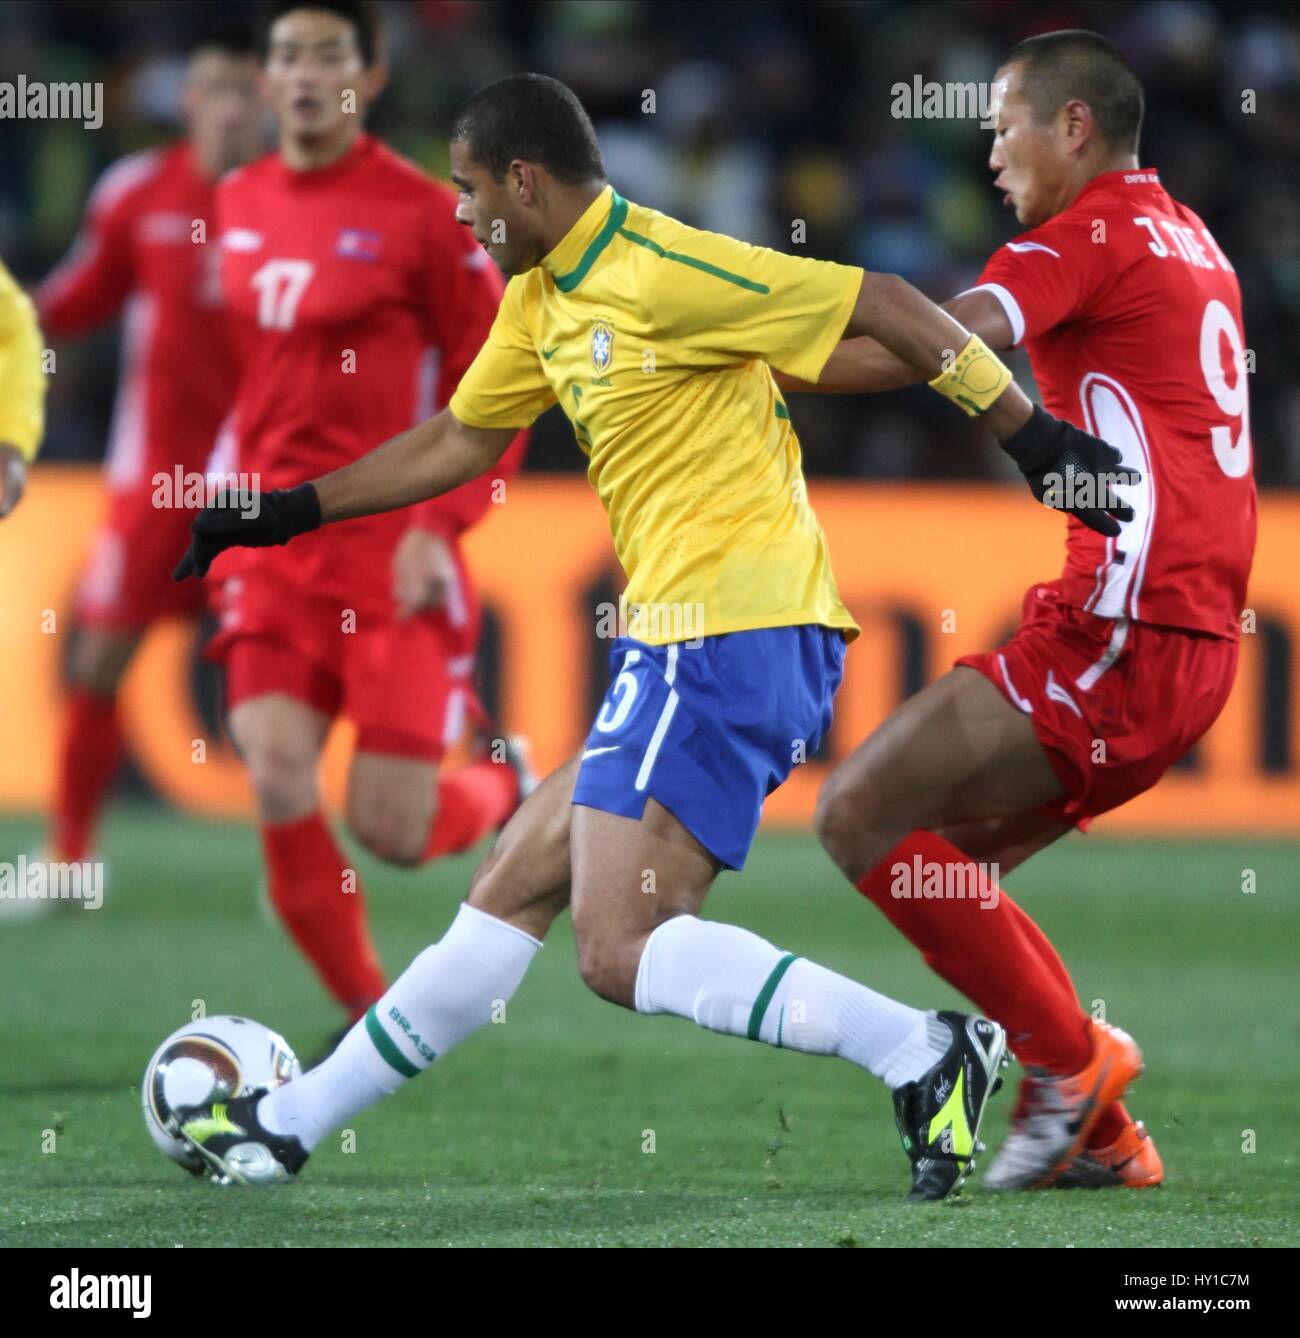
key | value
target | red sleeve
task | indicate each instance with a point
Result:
(1049, 275)
(463, 291)
(90, 284)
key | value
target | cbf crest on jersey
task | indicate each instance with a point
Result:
(602, 346)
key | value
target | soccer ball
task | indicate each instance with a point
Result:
(211, 1060)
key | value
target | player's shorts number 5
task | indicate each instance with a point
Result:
(625, 689)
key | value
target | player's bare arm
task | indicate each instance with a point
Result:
(920, 341)
(429, 460)
(864, 366)
(938, 347)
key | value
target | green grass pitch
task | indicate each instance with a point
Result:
(533, 1133)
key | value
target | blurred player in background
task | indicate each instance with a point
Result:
(147, 249)
(22, 390)
(356, 303)
(1132, 318)
(656, 338)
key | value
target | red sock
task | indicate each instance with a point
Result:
(986, 954)
(309, 879)
(1115, 1117)
(88, 760)
(471, 801)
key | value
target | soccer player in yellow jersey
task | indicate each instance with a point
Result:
(657, 341)
(22, 390)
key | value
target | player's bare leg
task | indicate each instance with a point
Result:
(955, 753)
(102, 656)
(959, 761)
(390, 805)
(280, 740)
(629, 877)
(91, 745)
(461, 983)
(407, 810)
(1007, 842)
(524, 879)
(637, 887)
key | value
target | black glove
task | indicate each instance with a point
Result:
(272, 518)
(1068, 470)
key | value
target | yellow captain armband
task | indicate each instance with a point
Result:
(975, 379)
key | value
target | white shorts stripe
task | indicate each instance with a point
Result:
(1093, 672)
(453, 722)
(661, 725)
(1023, 702)
(1056, 693)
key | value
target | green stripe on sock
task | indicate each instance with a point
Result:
(765, 995)
(384, 1044)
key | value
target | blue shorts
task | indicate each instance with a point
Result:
(710, 728)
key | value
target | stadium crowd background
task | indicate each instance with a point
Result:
(764, 113)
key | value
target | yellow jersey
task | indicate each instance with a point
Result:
(22, 379)
(656, 339)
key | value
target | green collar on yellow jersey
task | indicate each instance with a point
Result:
(569, 262)
(577, 251)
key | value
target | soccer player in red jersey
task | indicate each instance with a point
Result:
(1131, 315)
(148, 250)
(356, 302)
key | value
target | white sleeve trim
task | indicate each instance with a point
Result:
(1009, 305)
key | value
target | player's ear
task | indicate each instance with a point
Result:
(1079, 125)
(376, 81)
(523, 180)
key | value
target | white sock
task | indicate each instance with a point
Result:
(732, 981)
(449, 991)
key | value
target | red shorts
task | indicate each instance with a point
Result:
(406, 684)
(1114, 703)
(128, 581)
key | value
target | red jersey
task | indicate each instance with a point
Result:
(148, 247)
(356, 303)
(1131, 316)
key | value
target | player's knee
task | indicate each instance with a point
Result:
(840, 817)
(395, 837)
(100, 661)
(602, 964)
(99, 676)
(284, 782)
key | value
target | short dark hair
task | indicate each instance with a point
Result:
(534, 117)
(1075, 63)
(361, 14)
(231, 43)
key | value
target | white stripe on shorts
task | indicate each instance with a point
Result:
(1087, 680)
(661, 726)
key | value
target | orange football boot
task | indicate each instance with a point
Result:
(1130, 1162)
(1061, 1111)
